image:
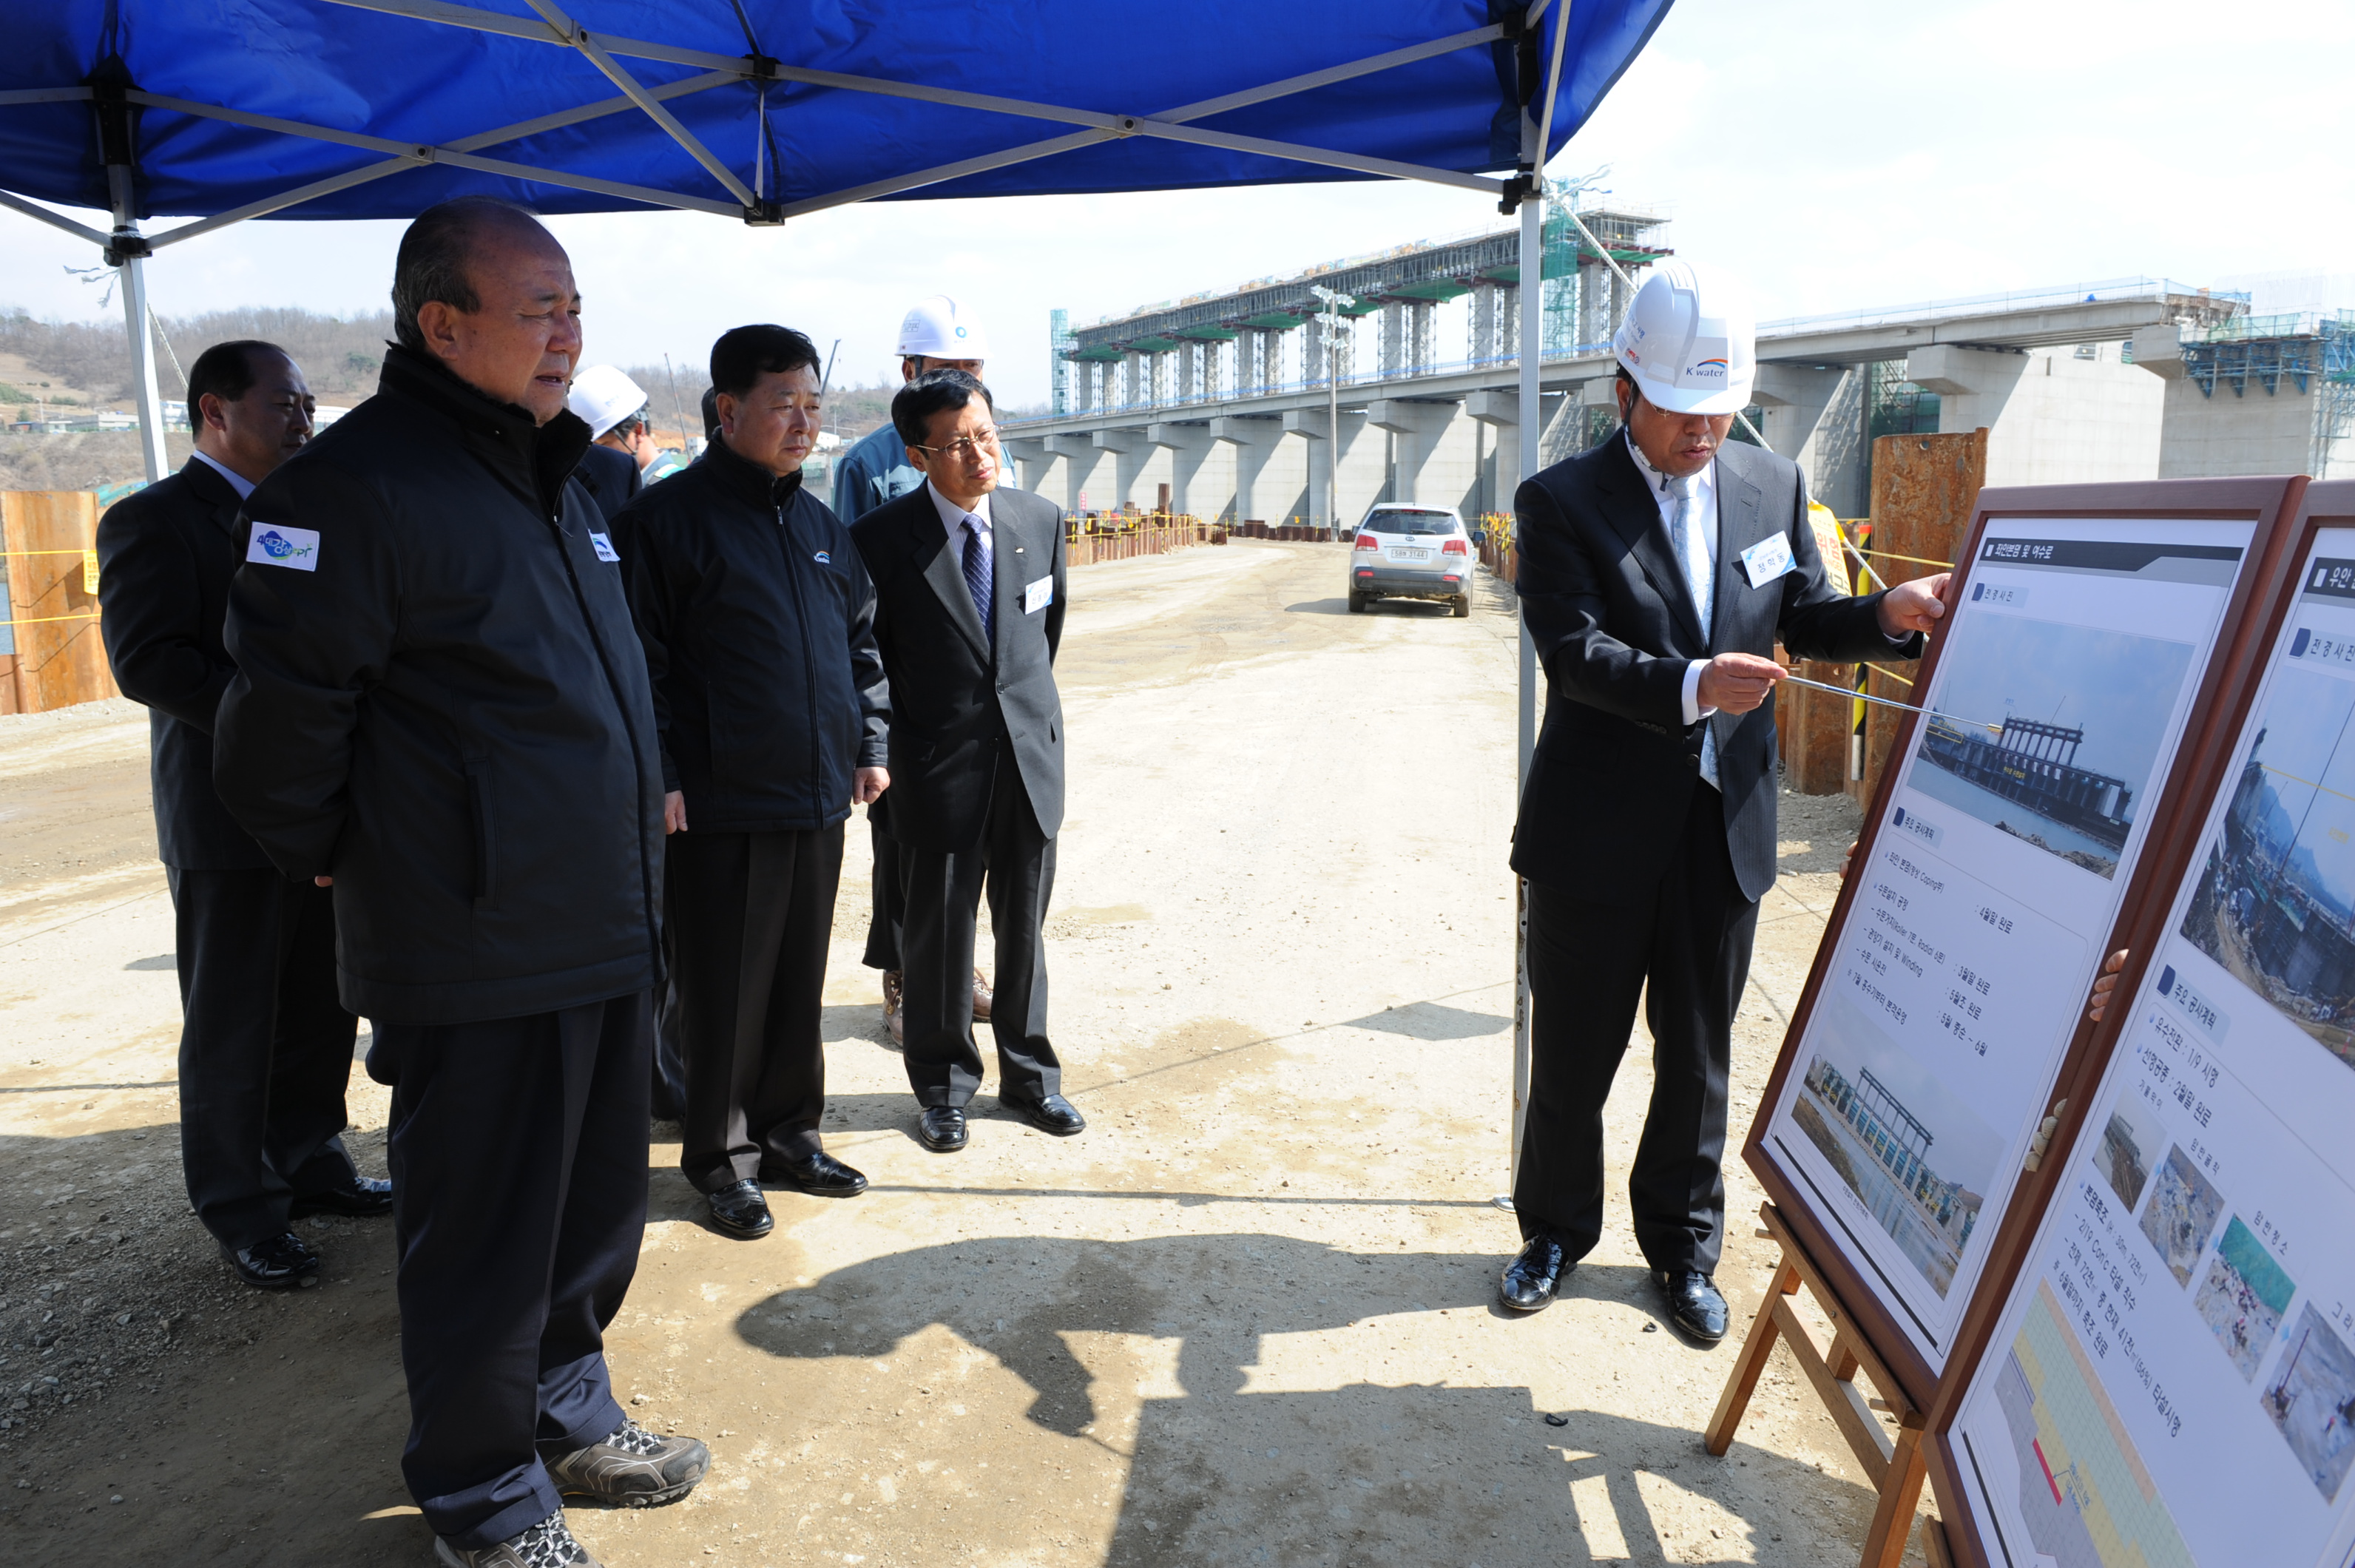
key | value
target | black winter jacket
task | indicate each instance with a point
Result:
(758, 621)
(440, 700)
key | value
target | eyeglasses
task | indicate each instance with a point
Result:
(963, 447)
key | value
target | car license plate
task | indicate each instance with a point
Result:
(1408, 552)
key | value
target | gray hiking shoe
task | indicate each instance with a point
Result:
(546, 1544)
(632, 1467)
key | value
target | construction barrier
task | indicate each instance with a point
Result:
(1297, 532)
(1091, 537)
(1492, 536)
(49, 539)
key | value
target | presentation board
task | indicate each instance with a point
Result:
(2170, 1380)
(1946, 996)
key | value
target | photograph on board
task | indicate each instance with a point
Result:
(2051, 733)
(2243, 1297)
(2311, 1402)
(2129, 1146)
(1915, 1157)
(2276, 903)
(2184, 1205)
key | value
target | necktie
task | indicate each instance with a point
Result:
(977, 572)
(1700, 571)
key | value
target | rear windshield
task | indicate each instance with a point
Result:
(1410, 522)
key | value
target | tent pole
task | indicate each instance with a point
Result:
(131, 258)
(1526, 423)
(1529, 421)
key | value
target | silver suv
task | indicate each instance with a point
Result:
(1406, 552)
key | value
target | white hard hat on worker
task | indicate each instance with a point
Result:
(937, 328)
(1689, 340)
(602, 397)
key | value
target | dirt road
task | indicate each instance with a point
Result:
(1245, 1319)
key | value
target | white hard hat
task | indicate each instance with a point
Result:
(603, 397)
(937, 329)
(1689, 341)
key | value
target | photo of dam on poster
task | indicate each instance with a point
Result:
(1954, 975)
(2172, 1378)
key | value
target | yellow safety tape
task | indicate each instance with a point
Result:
(44, 620)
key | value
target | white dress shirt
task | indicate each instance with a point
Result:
(1704, 518)
(237, 481)
(956, 519)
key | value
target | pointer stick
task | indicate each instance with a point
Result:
(1886, 702)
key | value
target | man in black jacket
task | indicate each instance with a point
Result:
(758, 621)
(265, 1048)
(969, 612)
(441, 708)
(1657, 572)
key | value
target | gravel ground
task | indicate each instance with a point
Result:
(1245, 1319)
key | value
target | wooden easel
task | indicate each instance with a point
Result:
(1897, 1468)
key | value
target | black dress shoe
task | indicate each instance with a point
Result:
(361, 1197)
(1694, 1303)
(274, 1264)
(1529, 1281)
(1053, 1114)
(820, 1176)
(738, 1209)
(941, 1128)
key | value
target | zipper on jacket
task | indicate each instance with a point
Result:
(809, 663)
(629, 728)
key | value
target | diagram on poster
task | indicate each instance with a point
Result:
(1926, 1059)
(2175, 1382)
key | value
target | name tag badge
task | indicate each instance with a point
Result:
(275, 544)
(603, 546)
(1039, 595)
(1767, 560)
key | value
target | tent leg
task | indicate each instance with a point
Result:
(136, 330)
(1531, 289)
(143, 368)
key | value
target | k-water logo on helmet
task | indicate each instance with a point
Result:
(275, 544)
(1712, 368)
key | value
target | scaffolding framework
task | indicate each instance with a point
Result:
(2312, 351)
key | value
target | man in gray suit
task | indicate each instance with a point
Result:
(969, 611)
(1657, 573)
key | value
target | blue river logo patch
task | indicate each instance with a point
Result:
(276, 544)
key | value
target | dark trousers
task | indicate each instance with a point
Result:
(1683, 943)
(890, 905)
(265, 1047)
(669, 1081)
(519, 1199)
(753, 913)
(1015, 863)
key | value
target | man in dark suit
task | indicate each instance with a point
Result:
(265, 1046)
(1658, 571)
(969, 612)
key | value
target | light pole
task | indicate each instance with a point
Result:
(1333, 303)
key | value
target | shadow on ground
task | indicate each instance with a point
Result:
(1230, 1467)
(1430, 1020)
(1394, 606)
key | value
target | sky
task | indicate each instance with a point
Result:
(1838, 154)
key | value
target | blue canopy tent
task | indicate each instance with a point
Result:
(762, 111)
